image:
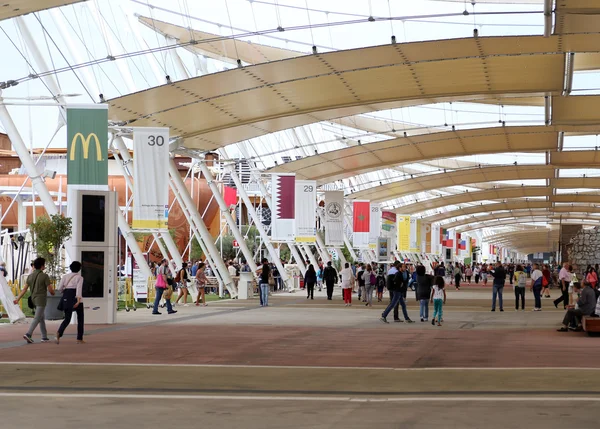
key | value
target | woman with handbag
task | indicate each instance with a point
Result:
(71, 286)
(163, 288)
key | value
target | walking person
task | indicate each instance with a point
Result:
(537, 284)
(40, 285)
(591, 277)
(201, 282)
(484, 274)
(162, 288)
(423, 292)
(519, 286)
(182, 281)
(347, 284)
(438, 298)
(476, 272)
(498, 286)
(361, 281)
(310, 279)
(370, 282)
(380, 284)
(330, 276)
(564, 278)
(71, 286)
(320, 278)
(468, 273)
(548, 276)
(457, 276)
(263, 286)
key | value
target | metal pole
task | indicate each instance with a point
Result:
(133, 245)
(164, 252)
(298, 258)
(166, 235)
(310, 255)
(266, 239)
(19, 146)
(202, 229)
(228, 218)
(322, 249)
(341, 256)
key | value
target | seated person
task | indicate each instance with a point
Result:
(586, 305)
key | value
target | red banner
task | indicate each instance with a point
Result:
(362, 212)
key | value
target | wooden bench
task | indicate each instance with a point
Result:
(591, 324)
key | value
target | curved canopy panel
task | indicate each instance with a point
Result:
(459, 177)
(218, 47)
(471, 197)
(489, 208)
(576, 183)
(347, 162)
(577, 16)
(14, 8)
(576, 109)
(574, 214)
(218, 109)
(518, 221)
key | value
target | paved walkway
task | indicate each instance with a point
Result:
(304, 363)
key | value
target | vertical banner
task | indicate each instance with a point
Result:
(150, 178)
(374, 225)
(361, 211)
(283, 190)
(306, 211)
(389, 228)
(230, 196)
(435, 239)
(404, 233)
(426, 237)
(415, 235)
(87, 145)
(334, 218)
(384, 249)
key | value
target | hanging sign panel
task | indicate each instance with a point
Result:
(306, 211)
(361, 212)
(87, 145)
(150, 178)
(334, 218)
(403, 233)
(374, 225)
(283, 190)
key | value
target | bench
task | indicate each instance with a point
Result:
(591, 324)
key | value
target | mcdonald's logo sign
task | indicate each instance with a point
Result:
(87, 126)
(85, 143)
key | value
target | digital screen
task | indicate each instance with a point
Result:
(93, 211)
(92, 270)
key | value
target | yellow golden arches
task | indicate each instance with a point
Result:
(86, 146)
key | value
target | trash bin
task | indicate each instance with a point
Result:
(51, 312)
(245, 289)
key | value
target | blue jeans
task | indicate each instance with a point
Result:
(264, 294)
(438, 309)
(397, 299)
(498, 289)
(159, 294)
(424, 308)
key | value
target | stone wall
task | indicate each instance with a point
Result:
(585, 249)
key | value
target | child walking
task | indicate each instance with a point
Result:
(438, 298)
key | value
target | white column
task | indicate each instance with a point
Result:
(228, 218)
(173, 250)
(298, 258)
(21, 214)
(311, 256)
(176, 59)
(266, 239)
(202, 229)
(32, 171)
(164, 252)
(322, 250)
(341, 255)
(133, 245)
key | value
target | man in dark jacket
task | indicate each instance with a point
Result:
(329, 276)
(499, 278)
(423, 292)
(397, 284)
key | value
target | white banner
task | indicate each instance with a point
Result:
(283, 207)
(334, 218)
(375, 225)
(306, 211)
(150, 178)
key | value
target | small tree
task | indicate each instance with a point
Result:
(49, 235)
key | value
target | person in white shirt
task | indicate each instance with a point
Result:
(71, 286)
(347, 284)
(564, 279)
(231, 269)
(536, 287)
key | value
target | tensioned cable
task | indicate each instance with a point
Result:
(232, 35)
(156, 33)
(89, 53)
(62, 54)
(184, 44)
(312, 36)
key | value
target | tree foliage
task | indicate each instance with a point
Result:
(49, 235)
